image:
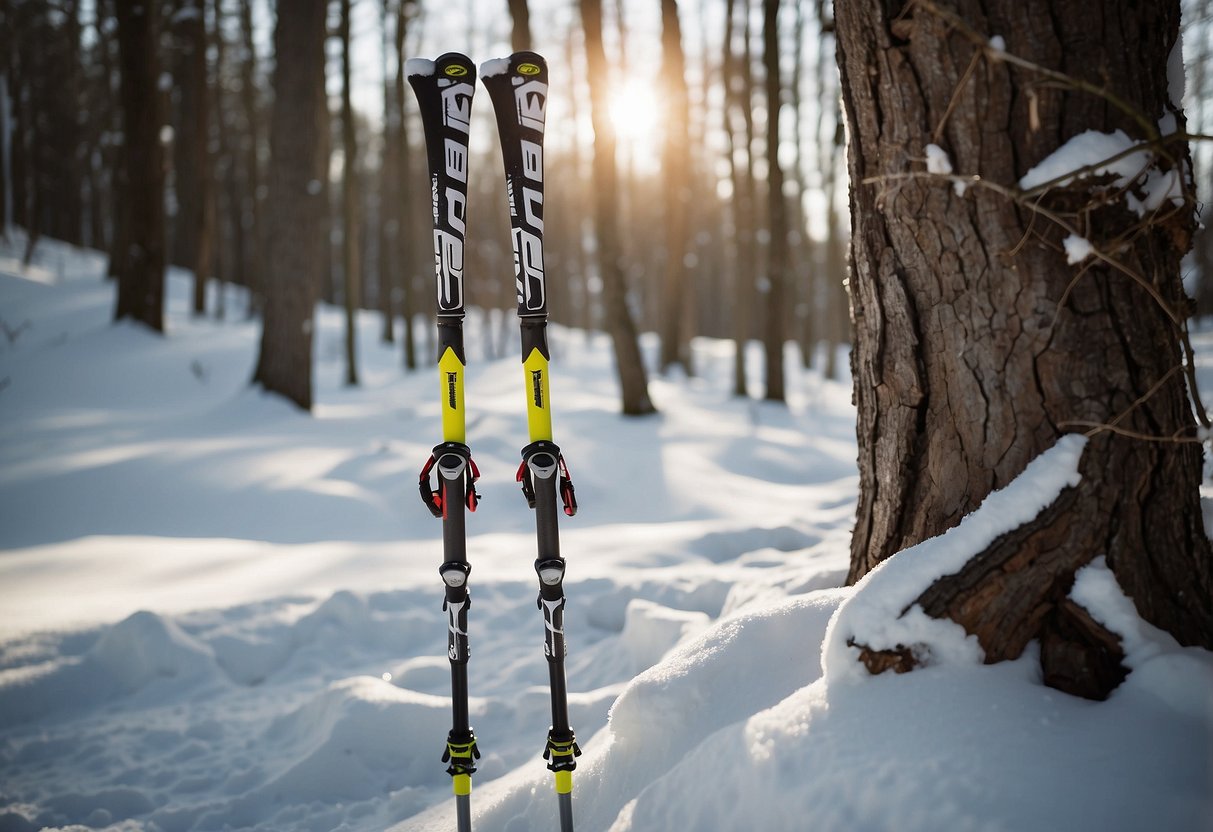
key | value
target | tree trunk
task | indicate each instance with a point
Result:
(404, 236)
(191, 154)
(739, 81)
(351, 276)
(520, 34)
(296, 234)
(772, 333)
(629, 365)
(676, 186)
(978, 345)
(141, 279)
(253, 215)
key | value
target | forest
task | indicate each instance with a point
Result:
(879, 348)
(684, 96)
(733, 223)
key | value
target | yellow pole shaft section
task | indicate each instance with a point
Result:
(454, 421)
(564, 782)
(462, 784)
(538, 399)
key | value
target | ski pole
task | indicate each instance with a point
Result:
(444, 89)
(518, 88)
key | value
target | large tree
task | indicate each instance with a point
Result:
(676, 191)
(140, 262)
(617, 318)
(350, 221)
(978, 342)
(192, 158)
(296, 238)
(777, 257)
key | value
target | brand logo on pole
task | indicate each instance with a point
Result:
(456, 70)
(452, 398)
(537, 387)
(528, 69)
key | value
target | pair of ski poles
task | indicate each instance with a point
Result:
(518, 87)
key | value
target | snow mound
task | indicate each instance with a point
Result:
(1179, 677)
(651, 630)
(882, 614)
(360, 738)
(146, 647)
(144, 650)
(742, 664)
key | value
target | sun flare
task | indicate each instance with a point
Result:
(634, 114)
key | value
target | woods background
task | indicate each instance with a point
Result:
(731, 223)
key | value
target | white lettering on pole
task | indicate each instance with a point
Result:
(532, 209)
(456, 154)
(531, 98)
(532, 161)
(528, 266)
(448, 253)
(457, 104)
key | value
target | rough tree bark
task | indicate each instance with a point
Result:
(296, 237)
(978, 345)
(141, 275)
(617, 319)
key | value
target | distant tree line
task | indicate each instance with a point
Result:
(738, 231)
(113, 101)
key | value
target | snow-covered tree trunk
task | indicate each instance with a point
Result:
(991, 319)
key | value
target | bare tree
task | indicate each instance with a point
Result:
(629, 365)
(351, 274)
(194, 227)
(252, 214)
(520, 34)
(141, 269)
(404, 238)
(773, 332)
(978, 344)
(295, 233)
(739, 87)
(676, 182)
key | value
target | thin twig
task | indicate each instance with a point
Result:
(1100, 427)
(1148, 128)
(935, 136)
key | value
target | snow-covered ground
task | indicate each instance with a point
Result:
(221, 613)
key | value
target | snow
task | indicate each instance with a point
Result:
(494, 66)
(1090, 147)
(937, 160)
(221, 613)
(1077, 248)
(1145, 186)
(420, 66)
(882, 615)
(998, 43)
